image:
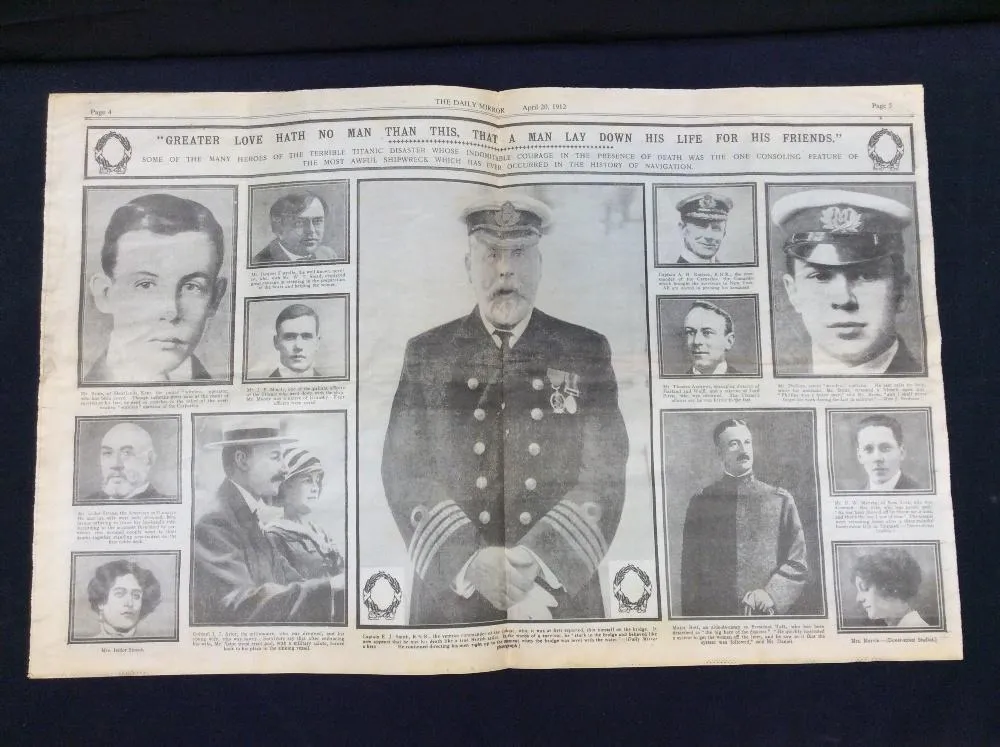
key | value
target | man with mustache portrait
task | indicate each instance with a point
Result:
(702, 225)
(238, 575)
(504, 457)
(298, 221)
(743, 550)
(159, 282)
(127, 457)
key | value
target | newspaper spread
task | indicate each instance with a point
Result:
(417, 380)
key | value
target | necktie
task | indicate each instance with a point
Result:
(504, 336)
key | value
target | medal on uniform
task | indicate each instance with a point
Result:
(557, 399)
(572, 389)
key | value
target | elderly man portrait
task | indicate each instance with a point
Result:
(743, 550)
(702, 226)
(297, 341)
(159, 282)
(121, 594)
(127, 457)
(709, 335)
(298, 221)
(880, 450)
(504, 458)
(238, 575)
(845, 276)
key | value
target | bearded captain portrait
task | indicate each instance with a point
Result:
(504, 458)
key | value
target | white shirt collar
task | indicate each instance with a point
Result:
(516, 331)
(287, 373)
(720, 369)
(134, 493)
(889, 484)
(696, 260)
(255, 505)
(292, 256)
(826, 365)
(122, 365)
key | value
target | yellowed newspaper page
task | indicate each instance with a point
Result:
(427, 380)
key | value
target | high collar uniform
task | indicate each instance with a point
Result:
(480, 452)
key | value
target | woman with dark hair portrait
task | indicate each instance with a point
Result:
(122, 594)
(306, 546)
(887, 580)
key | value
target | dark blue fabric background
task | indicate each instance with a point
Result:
(943, 703)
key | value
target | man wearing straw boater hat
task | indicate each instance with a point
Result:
(504, 460)
(846, 278)
(238, 577)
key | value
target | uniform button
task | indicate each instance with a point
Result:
(484, 517)
(481, 482)
(479, 414)
(473, 382)
(537, 384)
(534, 449)
(525, 518)
(536, 413)
(479, 447)
(531, 483)
(503, 405)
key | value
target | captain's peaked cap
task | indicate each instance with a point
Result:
(508, 216)
(837, 227)
(705, 206)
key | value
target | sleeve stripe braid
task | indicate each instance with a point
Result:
(572, 539)
(434, 519)
(436, 542)
(575, 534)
(589, 530)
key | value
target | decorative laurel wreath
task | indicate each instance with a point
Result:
(374, 611)
(624, 603)
(106, 166)
(880, 163)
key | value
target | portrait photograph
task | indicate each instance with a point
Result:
(742, 518)
(505, 394)
(269, 518)
(888, 587)
(121, 597)
(705, 224)
(296, 338)
(302, 223)
(716, 336)
(845, 280)
(881, 452)
(157, 286)
(131, 460)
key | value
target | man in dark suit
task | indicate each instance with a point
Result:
(702, 225)
(297, 339)
(160, 283)
(238, 576)
(881, 453)
(709, 335)
(127, 458)
(298, 221)
(504, 459)
(743, 550)
(846, 278)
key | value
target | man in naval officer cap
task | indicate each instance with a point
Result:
(703, 227)
(504, 459)
(846, 278)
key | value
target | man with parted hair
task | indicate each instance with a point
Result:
(127, 457)
(880, 450)
(298, 221)
(159, 281)
(743, 550)
(709, 335)
(296, 338)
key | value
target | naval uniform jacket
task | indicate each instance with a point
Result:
(240, 578)
(741, 534)
(477, 455)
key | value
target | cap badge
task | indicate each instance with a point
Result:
(507, 216)
(707, 202)
(840, 219)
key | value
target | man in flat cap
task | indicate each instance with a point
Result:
(298, 221)
(846, 277)
(743, 550)
(238, 575)
(703, 227)
(504, 459)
